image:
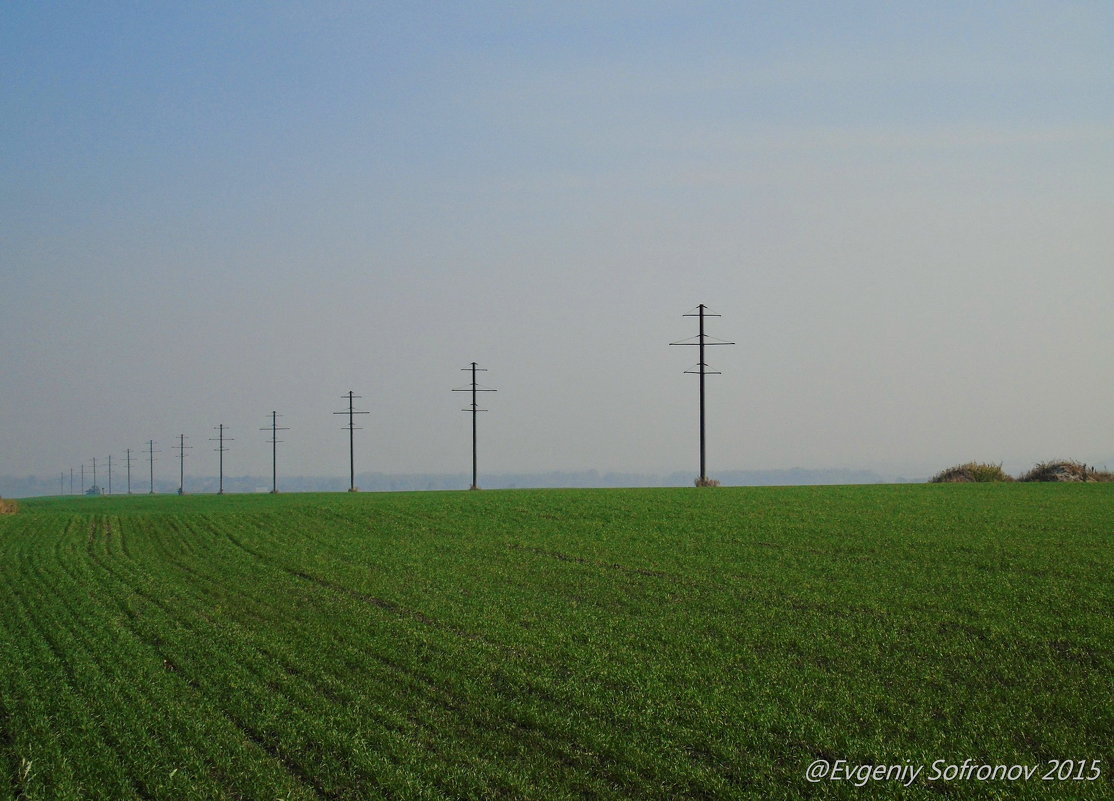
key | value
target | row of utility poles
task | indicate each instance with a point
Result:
(181, 447)
(274, 428)
(702, 340)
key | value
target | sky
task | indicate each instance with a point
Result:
(902, 212)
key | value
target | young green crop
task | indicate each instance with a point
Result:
(552, 644)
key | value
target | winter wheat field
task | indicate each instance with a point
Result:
(919, 641)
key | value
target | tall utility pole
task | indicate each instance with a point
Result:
(274, 428)
(182, 447)
(62, 483)
(220, 440)
(83, 478)
(95, 487)
(351, 439)
(128, 462)
(71, 481)
(151, 462)
(474, 409)
(702, 370)
(110, 474)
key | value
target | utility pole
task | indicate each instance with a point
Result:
(62, 483)
(702, 370)
(128, 462)
(95, 487)
(474, 409)
(83, 478)
(110, 474)
(151, 462)
(274, 428)
(71, 481)
(182, 447)
(351, 439)
(220, 440)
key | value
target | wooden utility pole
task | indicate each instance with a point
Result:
(351, 412)
(702, 339)
(474, 409)
(151, 463)
(274, 428)
(128, 461)
(182, 447)
(220, 449)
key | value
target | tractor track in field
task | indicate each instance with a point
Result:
(75, 629)
(260, 739)
(380, 603)
(250, 734)
(7, 734)
(566, 750)
(442, 697)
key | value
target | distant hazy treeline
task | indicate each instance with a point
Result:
(22, 487)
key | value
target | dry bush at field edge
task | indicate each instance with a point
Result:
(971, 472)
(1066, 470)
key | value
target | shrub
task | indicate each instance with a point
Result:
(8, 507)
(1066, 470)
(972, 472)
(706, 482)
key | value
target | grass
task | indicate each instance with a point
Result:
(627, 644)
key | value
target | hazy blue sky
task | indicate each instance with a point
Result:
(903, 211)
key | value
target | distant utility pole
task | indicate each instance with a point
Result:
(351, 439)
(702, 370)
(128, 462)
(474, 409)
(220, 440)
(83, 477)
(151, 462)
(95, 476)
(110, 474)
(182, 447)
(274, 428)
(71, 481)
(62, 483)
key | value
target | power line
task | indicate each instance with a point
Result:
(351, 439)
(274, 428)
(702, 370)
(220, 449)
(474, 409)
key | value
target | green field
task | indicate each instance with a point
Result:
(546, 644)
